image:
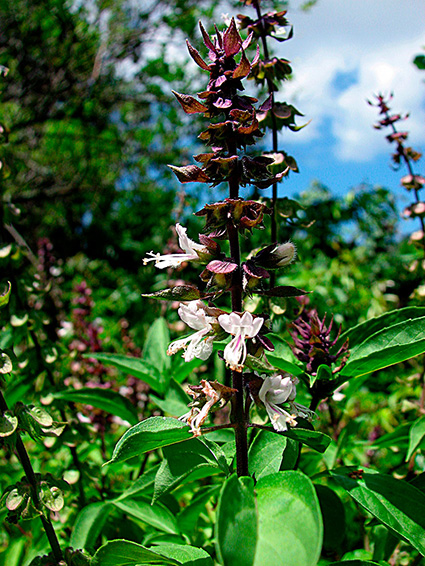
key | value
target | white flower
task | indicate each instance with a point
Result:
(278, 389)
(189, 247)
(241, 327)
(200, 344)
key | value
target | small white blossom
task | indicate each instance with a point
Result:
(241, 327)
(279, 389)
(200, 344)
(188, 246)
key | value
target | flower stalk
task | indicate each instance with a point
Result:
(234, 126)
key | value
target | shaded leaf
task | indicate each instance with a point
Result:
(156, 515)
(134, 366)
(193, 459)
(416, 435)
(282, 291)
(89, 524)
(178, 293)
(105, 399)
(236, 526)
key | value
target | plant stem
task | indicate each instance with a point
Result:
(32, 480)
(238, 414)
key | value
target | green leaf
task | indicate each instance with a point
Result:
(52, 498)
(290, 526)
(156, 515)
(5, 363)
(4, 296)
(187, 555)
(387, 347)
(105, 399)
(178, 293)
(192, 460)
(175, 400)
(188, 517)
(312, 438)
(126, 553)
(265, 454)
(236, 525)
(354, 563)
(333, 515)
(148, 435)
(395, 503)
(358, 334)
(134, 366)
(283, 357)
(419, 61)
(416, 435)
(156, 345)
(89, 524)
(8, 424)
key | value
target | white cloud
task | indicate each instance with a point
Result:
(371, 40)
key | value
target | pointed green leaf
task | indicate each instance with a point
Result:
(236, 526)
(156, 345)
(387, 347)
(141, 369)
(333, 514)
(4, 297)
(266, 453)
(8, 424)
(283, 357)
(397, 504)
(148, 435)
(188, 517)
(175, 402)
(126, 553)
(358, 334)
(89, 524)
(290, 526)
(312, 438)
(156, 515)
(354, 563)
(106, 399)
(185, 555)
(416, 435)
(192, 460)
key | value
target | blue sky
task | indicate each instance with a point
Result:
(342, 52)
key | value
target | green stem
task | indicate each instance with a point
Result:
(32, 480)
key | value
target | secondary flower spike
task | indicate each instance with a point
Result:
(189, 247)
(200, 344)
(241, 327)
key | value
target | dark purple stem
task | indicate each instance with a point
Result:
(32, 480)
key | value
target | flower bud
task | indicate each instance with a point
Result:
(275, 256)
